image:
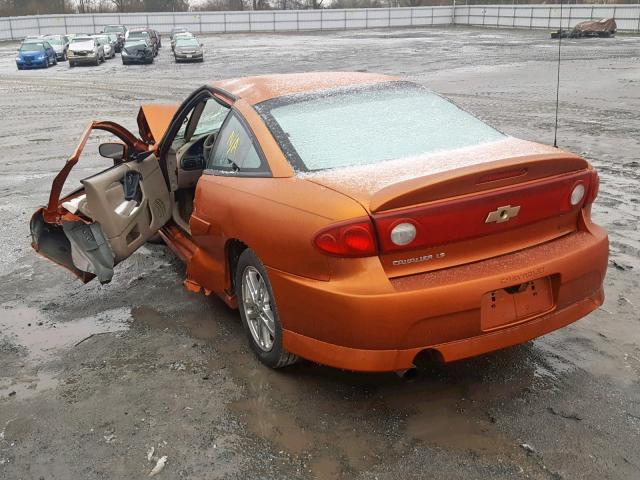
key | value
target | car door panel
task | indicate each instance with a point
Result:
(97, 226)
(126, 229)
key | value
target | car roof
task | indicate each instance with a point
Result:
(265, 87)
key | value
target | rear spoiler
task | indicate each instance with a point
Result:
(474, 178)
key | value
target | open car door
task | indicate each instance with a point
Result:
(111, 215)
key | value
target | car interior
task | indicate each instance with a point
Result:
(211, 137)
(130, 201)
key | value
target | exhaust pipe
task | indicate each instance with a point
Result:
(408, 374)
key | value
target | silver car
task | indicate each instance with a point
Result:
(107, 45)
(60, 44)
(85, 50)
(188, 50)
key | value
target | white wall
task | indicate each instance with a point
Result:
(518, 16)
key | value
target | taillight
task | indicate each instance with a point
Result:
(577, 194)
(403, 233)
(594, 187)
(348, 239)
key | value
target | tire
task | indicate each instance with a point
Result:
(251, 276)
(46, 62)
(55, 60)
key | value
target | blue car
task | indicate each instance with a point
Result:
(35, 53)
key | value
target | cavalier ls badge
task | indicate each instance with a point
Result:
(503, 214)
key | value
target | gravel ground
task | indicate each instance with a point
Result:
(94, 376)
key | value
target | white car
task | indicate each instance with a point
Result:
(85, 50)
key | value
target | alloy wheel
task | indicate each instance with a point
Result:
(256, 303)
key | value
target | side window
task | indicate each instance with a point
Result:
(211, 118)
(235, 151)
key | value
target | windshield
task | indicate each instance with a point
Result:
(138, 34)
(369, 125)
(32, 47)
(54, 41)
(113, 28)
(187, 42)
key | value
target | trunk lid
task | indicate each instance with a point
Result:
(466, 205)
(154, 119)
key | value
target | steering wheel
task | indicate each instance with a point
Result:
(207, 146)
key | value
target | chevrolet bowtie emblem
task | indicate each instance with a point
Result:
(502, 214)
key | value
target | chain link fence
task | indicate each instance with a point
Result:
(513, 16)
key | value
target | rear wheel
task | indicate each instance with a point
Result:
(259, 313)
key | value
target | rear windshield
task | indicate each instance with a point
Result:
(138, 34)
(136, 42)
(113, 28)
(187, 42)
(366, 125)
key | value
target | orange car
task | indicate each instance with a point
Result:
(356, 220)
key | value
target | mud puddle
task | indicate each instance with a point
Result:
(43, 336)
(38, 339)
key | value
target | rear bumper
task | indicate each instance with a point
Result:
(367, 322)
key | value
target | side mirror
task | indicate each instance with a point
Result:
(113, 150)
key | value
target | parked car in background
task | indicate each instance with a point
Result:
(85, 50)
(178, 36)
(105, 42)
(144, 34)
(120, 31)
(35, 53)
(60, 44)
(137, 50)
(115, 42)
(188, 50)
(176, 30)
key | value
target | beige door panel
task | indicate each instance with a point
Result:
(127, 225)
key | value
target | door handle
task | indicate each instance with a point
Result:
(131, 186)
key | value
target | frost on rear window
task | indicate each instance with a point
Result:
(368, 125)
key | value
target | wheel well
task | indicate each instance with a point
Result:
(234, 250)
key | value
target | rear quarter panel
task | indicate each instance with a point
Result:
(276, 217)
